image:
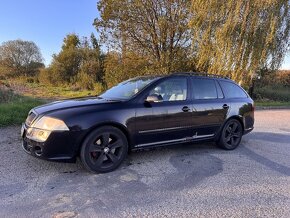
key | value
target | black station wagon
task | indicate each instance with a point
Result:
(139, 113)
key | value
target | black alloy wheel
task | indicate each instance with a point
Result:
(104, 149)
(231, 135)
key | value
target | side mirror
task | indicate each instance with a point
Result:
(154, 98)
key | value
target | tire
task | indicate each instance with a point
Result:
(104, 149)
(231, 135)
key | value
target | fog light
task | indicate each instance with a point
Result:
(38, 135)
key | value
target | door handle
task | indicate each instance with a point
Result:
(225, 106)
(185, 109)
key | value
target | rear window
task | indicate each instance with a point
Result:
(231, 90)
(204, 89)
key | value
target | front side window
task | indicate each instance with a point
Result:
(204, 89)
(127, 89)
(173, 89)
(231, 90)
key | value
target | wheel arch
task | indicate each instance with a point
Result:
(238, 118)
(108, 123)
(234, 117)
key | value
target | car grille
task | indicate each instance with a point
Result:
(31, 117)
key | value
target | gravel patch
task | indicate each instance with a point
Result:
(194, 180)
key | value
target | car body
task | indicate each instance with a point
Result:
(176, 108)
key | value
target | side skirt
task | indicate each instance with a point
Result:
(175, 141)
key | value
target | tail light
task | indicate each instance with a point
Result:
(253, 107)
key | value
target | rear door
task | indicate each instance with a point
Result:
(209, 107)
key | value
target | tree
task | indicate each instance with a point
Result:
(65, 65)
(18, 57)
(95, 43)
(70, 41)
(120, 67)
(91, 66)
(229, 37)
(156, 30)
(240, 37)
(80, 62)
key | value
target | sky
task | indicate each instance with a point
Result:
(286, 63)
(47, 22)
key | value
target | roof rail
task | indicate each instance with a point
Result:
(200, 74)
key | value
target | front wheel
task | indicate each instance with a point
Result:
(231, 135)
(104, 149)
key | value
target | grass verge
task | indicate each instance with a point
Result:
(18, 97)
(272, 103)
(15, 111)
(43, 91)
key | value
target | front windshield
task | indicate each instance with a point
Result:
(128, 88)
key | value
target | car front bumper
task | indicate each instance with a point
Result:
(59, 146)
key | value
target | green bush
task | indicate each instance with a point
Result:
(84, 81)
(45, 76)
(6, 96)
(30, 80)
(98, 88)
(274, 93)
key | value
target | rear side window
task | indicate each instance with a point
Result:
(204, 89)
(232, 90)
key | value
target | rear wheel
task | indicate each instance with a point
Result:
(231, 135)
(104, 149)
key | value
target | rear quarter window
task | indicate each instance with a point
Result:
(232, 90)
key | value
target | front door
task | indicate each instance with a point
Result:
(168, 120)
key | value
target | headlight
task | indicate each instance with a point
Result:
(51, 124)
(42, 128)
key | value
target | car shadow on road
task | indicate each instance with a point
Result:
(279, 138)
(270, 137)
(177, 166)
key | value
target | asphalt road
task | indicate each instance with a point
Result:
(198, 180)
